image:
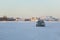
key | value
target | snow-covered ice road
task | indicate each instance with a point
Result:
(29, 31)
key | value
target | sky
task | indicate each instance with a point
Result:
(29, 8)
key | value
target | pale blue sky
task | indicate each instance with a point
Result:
(28, 8)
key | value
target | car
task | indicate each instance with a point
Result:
(40, 23)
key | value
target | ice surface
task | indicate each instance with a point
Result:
(29, 31)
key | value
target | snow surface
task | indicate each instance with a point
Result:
(29, 31)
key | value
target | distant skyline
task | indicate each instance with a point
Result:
(30, 8)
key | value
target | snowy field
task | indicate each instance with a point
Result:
(29, 31)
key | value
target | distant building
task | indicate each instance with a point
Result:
(34, 19)
(11, 19)
(19, 19)
(5, 18)
(50, 18)
(27, 20)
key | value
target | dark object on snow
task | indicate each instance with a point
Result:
(40, 23)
